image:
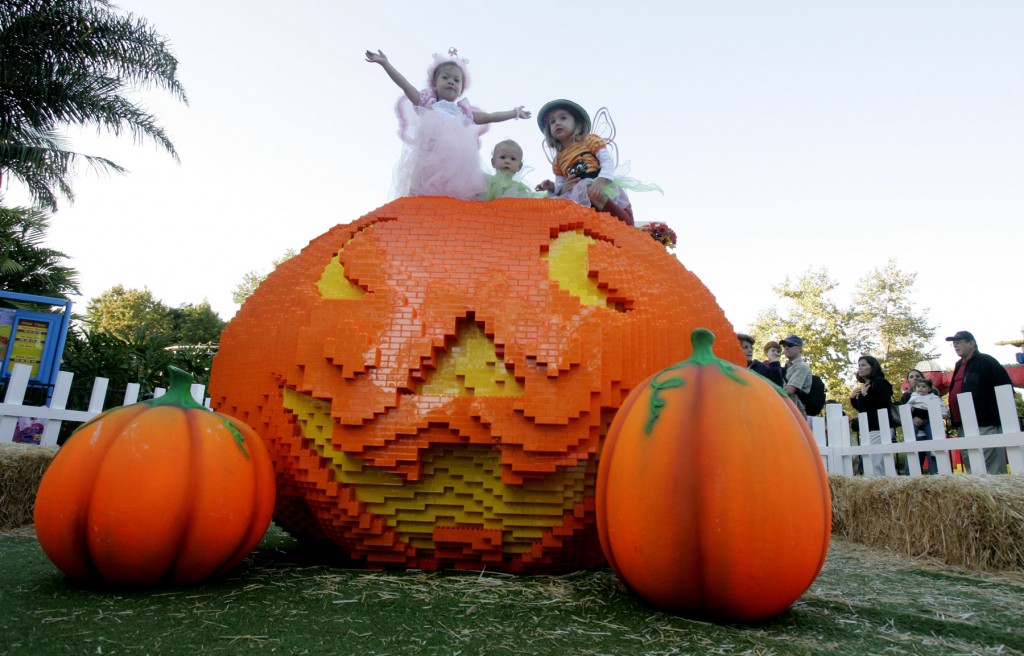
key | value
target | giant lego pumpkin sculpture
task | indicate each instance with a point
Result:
(434, 381)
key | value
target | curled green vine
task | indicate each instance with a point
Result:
(703, 354)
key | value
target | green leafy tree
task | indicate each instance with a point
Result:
(881, 321)
(808, 310)
(74, 62)
(252, 279)
(137, 356)
(196, 324)
(119, 310)
(197, 330)
(886, 323)
(141, 357)
(26, 266)
(128, 336)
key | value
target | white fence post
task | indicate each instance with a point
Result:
(969, 421)
(838, 439)
(15, 396)
(1010, 423)
(910, 435)
(58, 401)
(938, 426)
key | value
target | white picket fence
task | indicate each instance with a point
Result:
(833, 436)
(53, 415)
(832, 432)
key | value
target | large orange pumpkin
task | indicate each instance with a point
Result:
(162, 491)
(434, 381)
(712, 498)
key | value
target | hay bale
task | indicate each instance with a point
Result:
(969, 521)
(21, 469)
(840, 511)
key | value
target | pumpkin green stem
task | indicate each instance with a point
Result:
(179, 394)
(702, 355)
(702, 339)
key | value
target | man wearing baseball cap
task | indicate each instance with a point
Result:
(798, 374)
(980, 374)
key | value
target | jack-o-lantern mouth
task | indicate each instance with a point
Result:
(460, 487)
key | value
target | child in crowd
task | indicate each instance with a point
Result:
(507, 160)
(918, 402)
(583, 164)
(441, 132)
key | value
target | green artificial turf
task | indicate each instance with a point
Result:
(284, 601)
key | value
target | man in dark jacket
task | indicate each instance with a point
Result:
(979, 374)
(772, 370)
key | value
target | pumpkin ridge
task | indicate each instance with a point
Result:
(701, 444)
(195, 438)
(75, 540)
(258, 522)
(141, 471)
(826, 495)
(703, 355)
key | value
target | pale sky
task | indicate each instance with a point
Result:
(787, 136)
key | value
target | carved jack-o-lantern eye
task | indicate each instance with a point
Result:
(333, 282)
(435, 380)
(568, 265)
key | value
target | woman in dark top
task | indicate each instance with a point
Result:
(873, 393)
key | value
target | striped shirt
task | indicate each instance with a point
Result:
(583, 150)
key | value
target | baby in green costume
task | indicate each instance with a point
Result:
(507, 160)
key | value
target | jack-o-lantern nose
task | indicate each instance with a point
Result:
(471, 366)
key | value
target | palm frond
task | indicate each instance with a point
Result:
(72, 62)
(26, 266)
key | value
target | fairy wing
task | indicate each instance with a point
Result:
(603, 126)
(549, 152)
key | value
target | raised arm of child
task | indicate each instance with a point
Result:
(411, 92)
(481, 118)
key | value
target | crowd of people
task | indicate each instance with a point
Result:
(974, 372)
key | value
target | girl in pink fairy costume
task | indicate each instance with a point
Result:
(441, 132)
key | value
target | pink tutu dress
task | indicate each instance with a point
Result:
(441, 156)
